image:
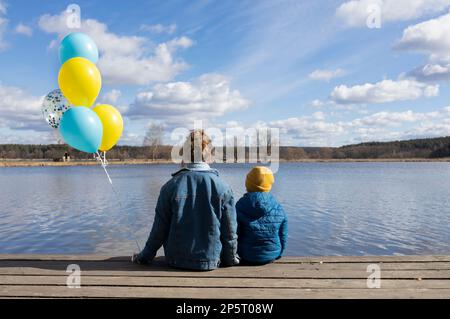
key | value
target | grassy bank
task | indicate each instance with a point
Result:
(37, 163)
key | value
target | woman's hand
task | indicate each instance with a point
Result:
(135, 259)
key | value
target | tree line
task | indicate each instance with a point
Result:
(417, 148)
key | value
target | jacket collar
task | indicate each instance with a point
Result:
(196, 167)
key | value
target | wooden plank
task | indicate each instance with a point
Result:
(384, 266)
(223, 282)
(56, 257)
(235, 272)
(159, 262)
(44, 276)
(184, 292)
(160, 269)
(288, 259)
(366, 259)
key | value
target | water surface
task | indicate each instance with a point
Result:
(333, 208)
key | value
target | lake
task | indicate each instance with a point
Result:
(333, 208)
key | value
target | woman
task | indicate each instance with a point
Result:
(195, 218)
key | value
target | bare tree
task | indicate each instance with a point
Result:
(153, 137)
(263, 140)
(57, 137)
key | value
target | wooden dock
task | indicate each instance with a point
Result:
(45, 276)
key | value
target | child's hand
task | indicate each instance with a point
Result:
(137, 259)
(235, 262)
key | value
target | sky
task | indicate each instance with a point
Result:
(325, 73)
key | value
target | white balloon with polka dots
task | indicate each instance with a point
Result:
(53, 108)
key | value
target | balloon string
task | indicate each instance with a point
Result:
(104, 163)
(107, 175)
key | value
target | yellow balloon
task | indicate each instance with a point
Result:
(112, 125)
(80, 81)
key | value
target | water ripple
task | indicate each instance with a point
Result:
(333, 208)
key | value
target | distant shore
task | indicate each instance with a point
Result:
(33, 163)
(37, 163)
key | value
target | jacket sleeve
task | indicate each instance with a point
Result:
(159, 232)
(283, 233)
(228, 230)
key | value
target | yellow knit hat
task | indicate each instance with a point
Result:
(259, 179)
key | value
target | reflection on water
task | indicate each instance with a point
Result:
(333, 208)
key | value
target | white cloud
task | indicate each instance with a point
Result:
(129, 138)
(430, 130)
(383, 92)
(28, 137)
(318, 130)
(431, 38)
(386, 118)
(319, 116)
(317, 103)
(380, 126)
(159, 28)
(182, 42)
(432, 72)
(311, 130)
(321, 129)
(206, 97)
(111, 97)
(435, 69)
(23, 29)
(20, 110)
(355, 13)
(209, 97)
(326, 75)
(125, 59)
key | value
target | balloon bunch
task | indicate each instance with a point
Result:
(69, 108)
(86, 128)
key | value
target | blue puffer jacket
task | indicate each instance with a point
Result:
(262, 228)
(195, 221)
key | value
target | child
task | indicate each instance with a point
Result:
(262, 223)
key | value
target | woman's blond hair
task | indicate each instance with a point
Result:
(197, 146)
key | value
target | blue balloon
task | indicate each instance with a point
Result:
(82, 129)
(78, 45)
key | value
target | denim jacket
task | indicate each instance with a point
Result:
(195, 221)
